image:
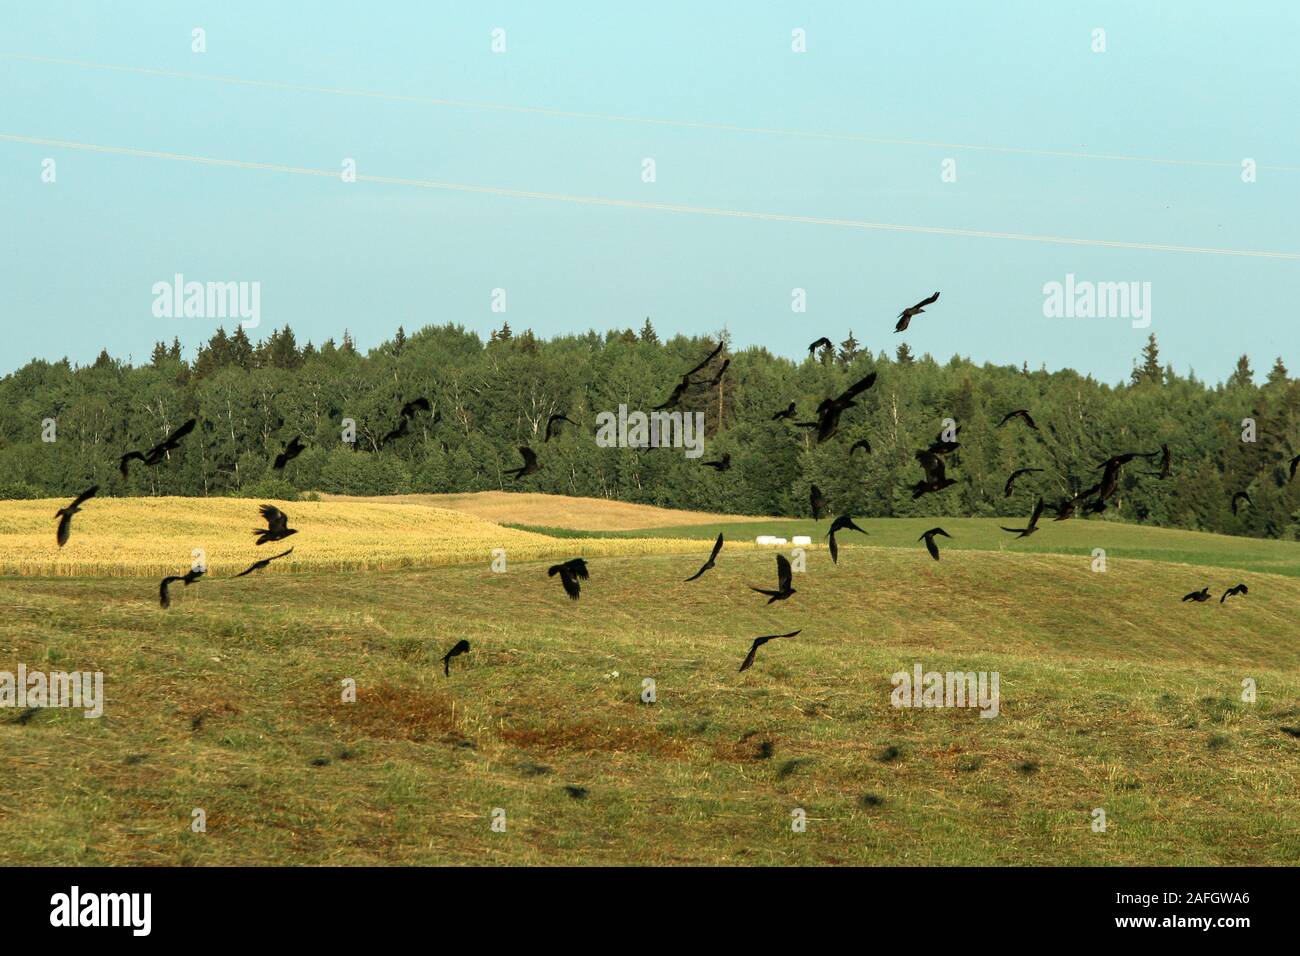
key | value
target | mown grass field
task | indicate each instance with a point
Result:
(1114, 695)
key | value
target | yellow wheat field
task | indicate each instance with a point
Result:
(146, 537)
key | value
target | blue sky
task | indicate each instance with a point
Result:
(1185, 81)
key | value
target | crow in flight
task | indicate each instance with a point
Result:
(569, 572)
(829, 411)
(678, 391)
(1200, 597)
(783, 577)
(712, 355)
(839, 524)
(1239, 589)
(396, 433)
(818, 502)
(759, 642)
(1165, 458)
(788, 413)
(259, 565)
(860, 443)
(1018, 413)
(936, 478)
(928, 538)
(1016, 474)
(189, 577)
(911, 312)
(158, 452)
(552, 423)
(1066, 508)
(1033, 522)
(821, 343)
(717, 379)
(460, 647)
(722, 464)
(277, 525)
(291, 451)
(1240, 496)
(530, 464)
(1295, 463)
(414, 405)
(65, 514)
(941, 445)
(717, 546)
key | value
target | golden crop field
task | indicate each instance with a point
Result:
(155, 536)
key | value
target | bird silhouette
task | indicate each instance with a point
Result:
(717, 379)
(944, 446)
(416, 404)
(678, 391)
(817, 501)
(1240, 496)
(189, 577)
(912, 311)
(709, 358)
(259, 565)
(722, 464)
(783, 580)
(717, 546)
(159, 451)
(759, 642)
(530, 464)
(65, 514)
(1033, 522)
(1166, 457)
(570, 572)
(830, 410)
(788, 412)
(1237, 589)
(1016, 474)
(552, 424)
(291, 451)
(1295, 463)
(403, 425)
(860, 443)
(277, 525)
(821, 343)
(930, 545)
(936, 478)
(839, 524)
(1018, 413)
(460, 647)
(1200, 597)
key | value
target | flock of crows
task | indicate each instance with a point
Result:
(825, 424)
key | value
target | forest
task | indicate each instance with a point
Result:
(64, 427)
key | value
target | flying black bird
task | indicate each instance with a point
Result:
(416, 404)
(936, 478)
(787, 413)
(759, 642)
(928, 538)
(65, 514)
(821, 343)
(569, 572)
(259, 565)
(189, 577)
(711, 356)
(1016, 474)
(159, 451)
(912, 311)
(1066, 508)
(399, 432)
(942, 446)
(717, 546)
(277, 525)
(1033, 522)
(717, 379)
(1239, 589)
(1123, 459)
(1295, 463)
(1200, 597)
(460, 647)
(860, 443)
(291, 451)
(1165, 458)
(818, 502)
(678, 391)
(839, 524)
(1240, 496)
(530, 464)
(723, 464)
(1018, 413)
(829, 411)
(552, 423)
(783, 578)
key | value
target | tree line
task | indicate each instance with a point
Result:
(488, 398)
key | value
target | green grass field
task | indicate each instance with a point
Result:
(1114, 695)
